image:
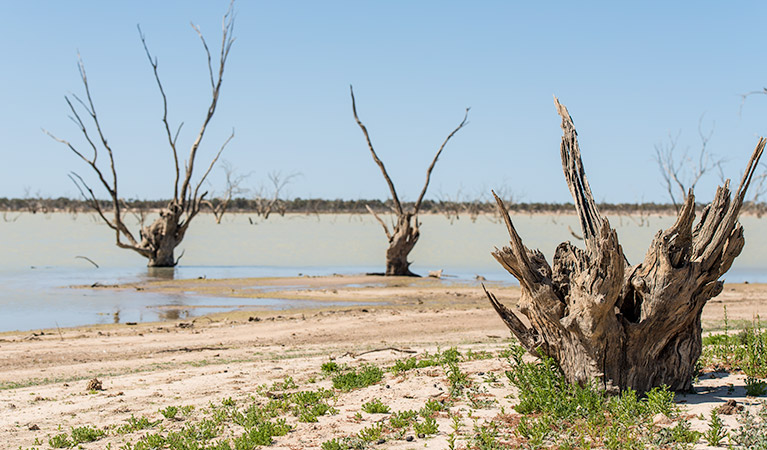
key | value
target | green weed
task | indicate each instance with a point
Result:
(716, 431)
(680, 433)
(330, 367)
(402, 419)
(752, 433)
(60, 441)
(427, 360)
(86, 434)
(427, 427)
(456, 379)
(375, 406)
(367, 375)
(170, 412)
(755, 387)
(371, 433)
(136, 424)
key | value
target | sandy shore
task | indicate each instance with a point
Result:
(146, 367)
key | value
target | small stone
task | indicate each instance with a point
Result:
(421, 435)
(381, 441)
(388, 387)
(33, 427)
(409, 438)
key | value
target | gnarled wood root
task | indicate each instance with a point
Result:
(601, 319)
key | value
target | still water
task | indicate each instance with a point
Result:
(43, 257)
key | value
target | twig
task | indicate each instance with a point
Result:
(87, 259)
(394, 349)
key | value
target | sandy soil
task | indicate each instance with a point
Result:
(146, 367)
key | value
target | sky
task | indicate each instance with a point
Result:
(631, 74)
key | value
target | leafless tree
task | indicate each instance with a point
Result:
(682, 172)
(453, 206)
(405, 232)
(8, 218)
(139, 210)
(157, 241)
(756, 203)
(233, 187)
(271, 200)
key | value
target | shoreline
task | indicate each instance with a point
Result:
(150, 366)
(745, 302)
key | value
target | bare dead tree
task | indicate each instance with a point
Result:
(451, 206)
(157, 241)
(682, 172)
(406, 231)
(233, 187)
(8, 218)
(602, 319)
(271, 200)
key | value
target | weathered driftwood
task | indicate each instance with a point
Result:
(405, 232)
(602, 319)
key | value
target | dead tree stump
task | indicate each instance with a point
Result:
(604, 320)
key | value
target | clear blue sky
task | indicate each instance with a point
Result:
(630, 74)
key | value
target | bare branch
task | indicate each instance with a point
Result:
(434, 161)
(682, 172)
(213, 163)
(745, 97)
(226, 44)
(393, 191)
(171, 139)
(383, 224)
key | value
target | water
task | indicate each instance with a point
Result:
(41, 260)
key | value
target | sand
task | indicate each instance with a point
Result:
(44, 374)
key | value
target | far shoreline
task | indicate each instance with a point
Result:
(745, 302)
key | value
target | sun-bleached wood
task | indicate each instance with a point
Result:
(604, 320)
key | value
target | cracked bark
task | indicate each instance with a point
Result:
(625, 326)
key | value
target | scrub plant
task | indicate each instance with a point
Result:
(556, 413)
(86, 434)
(427, 427)
(375, 406)
(716, 431)
(170, 412)
(451, 355)
(351, 379)
(755, 387)
(752, 432)
(60, 441)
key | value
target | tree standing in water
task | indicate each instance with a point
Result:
(405, 231)
(158, 240)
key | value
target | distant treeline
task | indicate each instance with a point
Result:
(339, 206)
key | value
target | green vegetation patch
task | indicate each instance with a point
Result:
(350, 379)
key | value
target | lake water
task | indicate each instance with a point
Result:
(40, 259)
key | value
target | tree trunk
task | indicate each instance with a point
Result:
(601, 319)
(162, 236)
(401, 243)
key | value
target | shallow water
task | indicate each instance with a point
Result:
(41, 260)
